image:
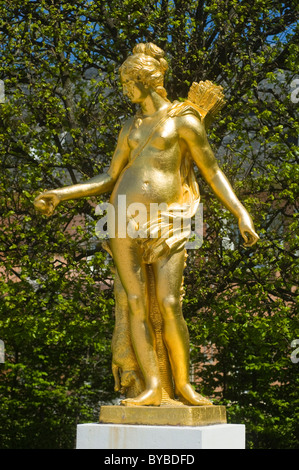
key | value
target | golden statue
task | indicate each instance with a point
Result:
(152, 166)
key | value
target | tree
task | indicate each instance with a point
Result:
(59, 63)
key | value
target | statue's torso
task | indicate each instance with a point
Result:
(153, 172)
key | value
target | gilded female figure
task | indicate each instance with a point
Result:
(147, 167)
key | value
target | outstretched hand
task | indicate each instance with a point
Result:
(247, 230)
(46, 202)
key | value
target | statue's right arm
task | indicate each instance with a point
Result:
(47, 201)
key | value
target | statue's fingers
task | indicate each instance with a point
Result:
(245, 237)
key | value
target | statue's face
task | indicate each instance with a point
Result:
(136, 91)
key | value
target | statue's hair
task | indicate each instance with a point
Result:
(147, 65)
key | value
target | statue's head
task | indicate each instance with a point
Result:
(146, 65)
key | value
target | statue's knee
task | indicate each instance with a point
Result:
(171, 306)
(136, 304)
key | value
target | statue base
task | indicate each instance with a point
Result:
(164, 415)
(136, 436)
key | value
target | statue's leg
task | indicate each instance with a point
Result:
(168, 276)
(132, 272)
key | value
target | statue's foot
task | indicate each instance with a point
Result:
(148, 397)
(190, 397)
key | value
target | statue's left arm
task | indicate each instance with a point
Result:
(193, 136)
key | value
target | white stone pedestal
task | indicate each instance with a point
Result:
(127, 436)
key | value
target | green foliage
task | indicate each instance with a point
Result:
(59, 125)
